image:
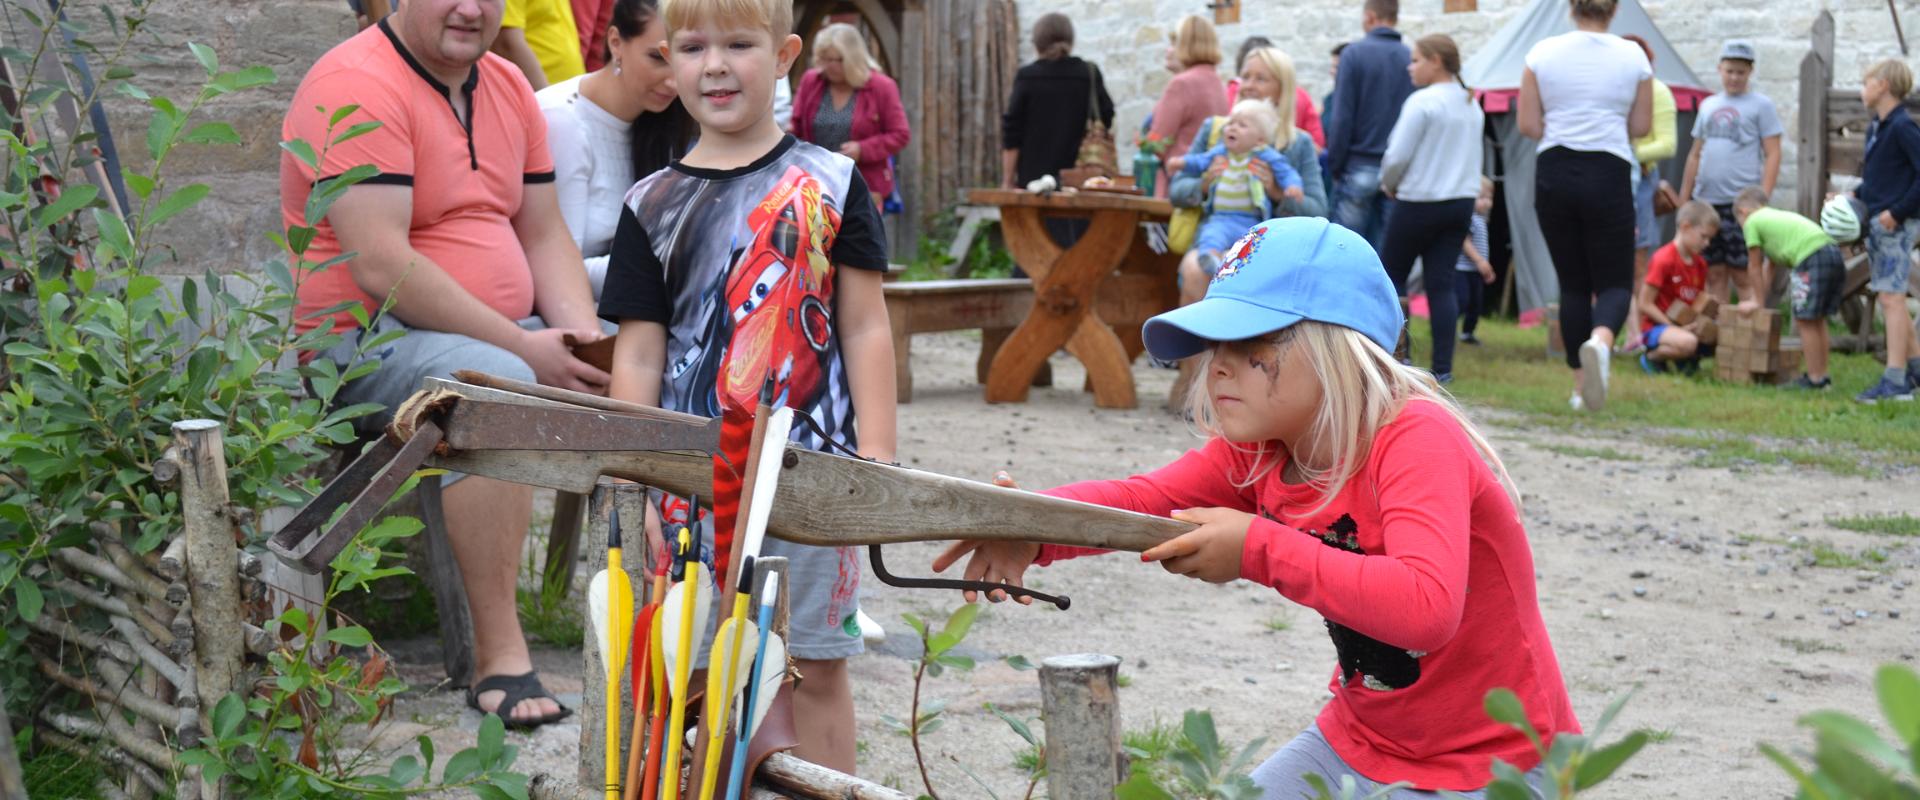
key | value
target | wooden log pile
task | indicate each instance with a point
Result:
(1750, 349)
(151, 640)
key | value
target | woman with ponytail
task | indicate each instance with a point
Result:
(611, 127)
(1432, 170)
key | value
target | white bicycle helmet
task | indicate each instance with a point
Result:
(1840, 218)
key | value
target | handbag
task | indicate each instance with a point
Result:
(1665, 199)
(1096, 147)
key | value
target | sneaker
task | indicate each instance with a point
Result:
(1689, 366)
(1804, 383)
(1468, 338)
(1885, 390)
(1443, 378)
(870, 631)
(1650, 366)
(1574, 402)
(1593, 377)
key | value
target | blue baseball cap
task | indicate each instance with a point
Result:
(1281, 272)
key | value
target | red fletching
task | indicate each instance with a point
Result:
(729, 477)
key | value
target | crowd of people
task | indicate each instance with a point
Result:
(650, 189)
(1395, 153)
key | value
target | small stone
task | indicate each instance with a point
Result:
(1250, 681)
(1769, 615)
(1848, 589)
(1283, 666)
(1140, 664)
(1773, 698)
(1606, 613)
(1829, 611)
(1620, 657)
(1847, 621)
(1639, 591)
(1893, 614)
(1640, 573)
(1763, 569)
(1861, 613)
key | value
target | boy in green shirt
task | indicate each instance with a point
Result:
(1798, 243)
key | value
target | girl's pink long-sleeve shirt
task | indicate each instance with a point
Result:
(1422, 570)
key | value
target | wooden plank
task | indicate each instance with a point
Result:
(449, 591)
(1070, 201)
(1814, 80)
(811, 781)
(957, 286)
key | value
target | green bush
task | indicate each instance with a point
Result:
(1850, 760)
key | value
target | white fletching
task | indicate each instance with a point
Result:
(772, 454)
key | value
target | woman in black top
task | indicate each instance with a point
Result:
(1047, 115)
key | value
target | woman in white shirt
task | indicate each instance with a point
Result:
(611, 127)
(1585, 95)
(1432, 171)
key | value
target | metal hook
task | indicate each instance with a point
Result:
(890, 579)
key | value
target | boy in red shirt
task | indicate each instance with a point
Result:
(1677, 271)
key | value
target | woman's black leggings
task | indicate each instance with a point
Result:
(1432, 232)
(1584, 201)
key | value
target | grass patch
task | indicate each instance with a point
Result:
(1825, 556)
(558, 625)
(1576, 451)
(1512, 372)
(57, 773)
(1883, 524)
(1122, 680)
(1727, 452)
(1810, 646)
(1279, 622)
(1660, 736)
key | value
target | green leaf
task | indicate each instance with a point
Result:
(464, 763)
(1854, 735)
(69, 201)
(208, 59)
(1197, 727)
(212, 133)
(141, 185)
(1808, 788)
(513, 785)
(917, 626)
(340, 114)
(1020, 663)
(1504, 706)
(493, 733)
(405, 770)
(177, 202)
(352, 636)
(116, 242)
(1613, 710)
(1019, 726)
(27, 594)
(303, 151)
(296, 618)
(358, 130)
(1141, 786)
(951, 661)
(229, 82)
(1600, 764)
(227, 716)
(960, 622)
(1899, 690)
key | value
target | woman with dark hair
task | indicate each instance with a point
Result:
(1585, 94)
(1432, 171)
(1047, 113)
(613, 126)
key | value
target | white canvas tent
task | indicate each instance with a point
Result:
(1494, 73)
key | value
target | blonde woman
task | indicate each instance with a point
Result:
(846, 105)
(1266, 74)
(1353, 486)
(1196, 91)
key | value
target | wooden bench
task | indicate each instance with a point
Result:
(995, 306)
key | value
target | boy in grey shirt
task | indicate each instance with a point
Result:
(1736, 144)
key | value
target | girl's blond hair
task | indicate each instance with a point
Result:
(775, 16)
(1276, 61)
(1195, 42)
(1364, 389)
(846, 40)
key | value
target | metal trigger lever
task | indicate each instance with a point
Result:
(890, 579)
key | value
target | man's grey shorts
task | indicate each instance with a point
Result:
(412, 358)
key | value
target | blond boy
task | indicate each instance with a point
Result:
(1677, 272)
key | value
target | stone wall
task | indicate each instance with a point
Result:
(226, 232)
(1128, 37)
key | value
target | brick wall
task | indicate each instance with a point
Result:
(1127, 39)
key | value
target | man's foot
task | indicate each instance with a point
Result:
(1467, 337)
(1886, 389)
(1807, 384)
(527, 703)
(1593, 374)
(1650, 366)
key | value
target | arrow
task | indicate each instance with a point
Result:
(610, 606)
(758, 698)
(644, 656)
(687, 604)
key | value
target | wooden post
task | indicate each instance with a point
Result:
(212, 560)
(13, 782)
(630, 498)
(1816, 80)
(1079, 696)
(448, 588)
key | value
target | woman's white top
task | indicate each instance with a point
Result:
(592, 168)
(1587, 85)
(1434, 152)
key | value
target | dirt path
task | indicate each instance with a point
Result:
(1695, 584)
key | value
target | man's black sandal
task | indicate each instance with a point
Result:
(517, 688)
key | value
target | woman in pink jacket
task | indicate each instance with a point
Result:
(845, 104)
(1195, 93)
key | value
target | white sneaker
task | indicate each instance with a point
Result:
(1594, 358)
(870, 631)
(1574, 402)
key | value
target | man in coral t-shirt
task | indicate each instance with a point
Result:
(461, 232)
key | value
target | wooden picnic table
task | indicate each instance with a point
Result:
(1112, 255)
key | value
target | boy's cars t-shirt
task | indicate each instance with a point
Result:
(1675, 277)
(1787, 238)
(1731, 128)
(739, 266)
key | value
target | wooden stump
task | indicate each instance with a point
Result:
(1079, 695)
